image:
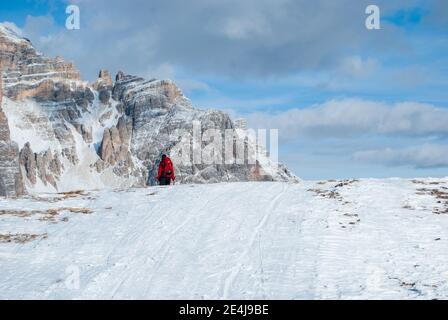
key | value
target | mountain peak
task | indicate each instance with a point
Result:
(28, 73)
(11, 33)
(104, 80)
(72, 135)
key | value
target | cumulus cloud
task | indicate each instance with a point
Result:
(362, 131)
(350, 118)
(425, 156)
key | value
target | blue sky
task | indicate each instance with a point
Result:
(349, 102)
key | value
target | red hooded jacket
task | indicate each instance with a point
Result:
(166, 169)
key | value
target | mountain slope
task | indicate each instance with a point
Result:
(72, 134)
(331, 239)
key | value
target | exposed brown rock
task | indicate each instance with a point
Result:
(45, 165)
(104, 81)
(106, 149)
(123, 130)
(114, 149)
(86, 133)
(103, 85)
(21, 237)
(28, 161)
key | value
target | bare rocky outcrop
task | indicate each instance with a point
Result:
(45, 165)
(115, 151)
(115, 144)
(27, 159)
(4, 128)
(104, 96)
(86, 133)
(103, 85)
(104, 81)
(11, 182)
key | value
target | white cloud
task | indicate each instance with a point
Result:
(218, 101)
(188, 85)
(364, 130)
(425, 156)
(356, 66)
(163, 71)
(354, 117)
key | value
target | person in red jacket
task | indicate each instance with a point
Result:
(166, 171)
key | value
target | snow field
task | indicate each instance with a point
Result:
(374, 239)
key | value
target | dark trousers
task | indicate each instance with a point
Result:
(164, 181)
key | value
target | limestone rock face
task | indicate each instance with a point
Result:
(45, 165)
(28, 73)
(28, 161)
(103, 85)
(4, 128)
(156, 110)
(104, 96)
(104, 81)
(11, 183)
(115, 152)
(75, 135)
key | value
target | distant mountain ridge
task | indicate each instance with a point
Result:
(60, 133)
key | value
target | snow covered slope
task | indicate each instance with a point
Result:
(329, 239)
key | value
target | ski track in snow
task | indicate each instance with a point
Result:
(374, 239)
(230, 280)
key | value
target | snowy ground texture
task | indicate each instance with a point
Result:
(376, 239)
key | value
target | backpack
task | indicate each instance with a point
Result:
(168, 172)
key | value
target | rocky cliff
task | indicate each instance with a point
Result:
(11, 182)
(60, 133)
